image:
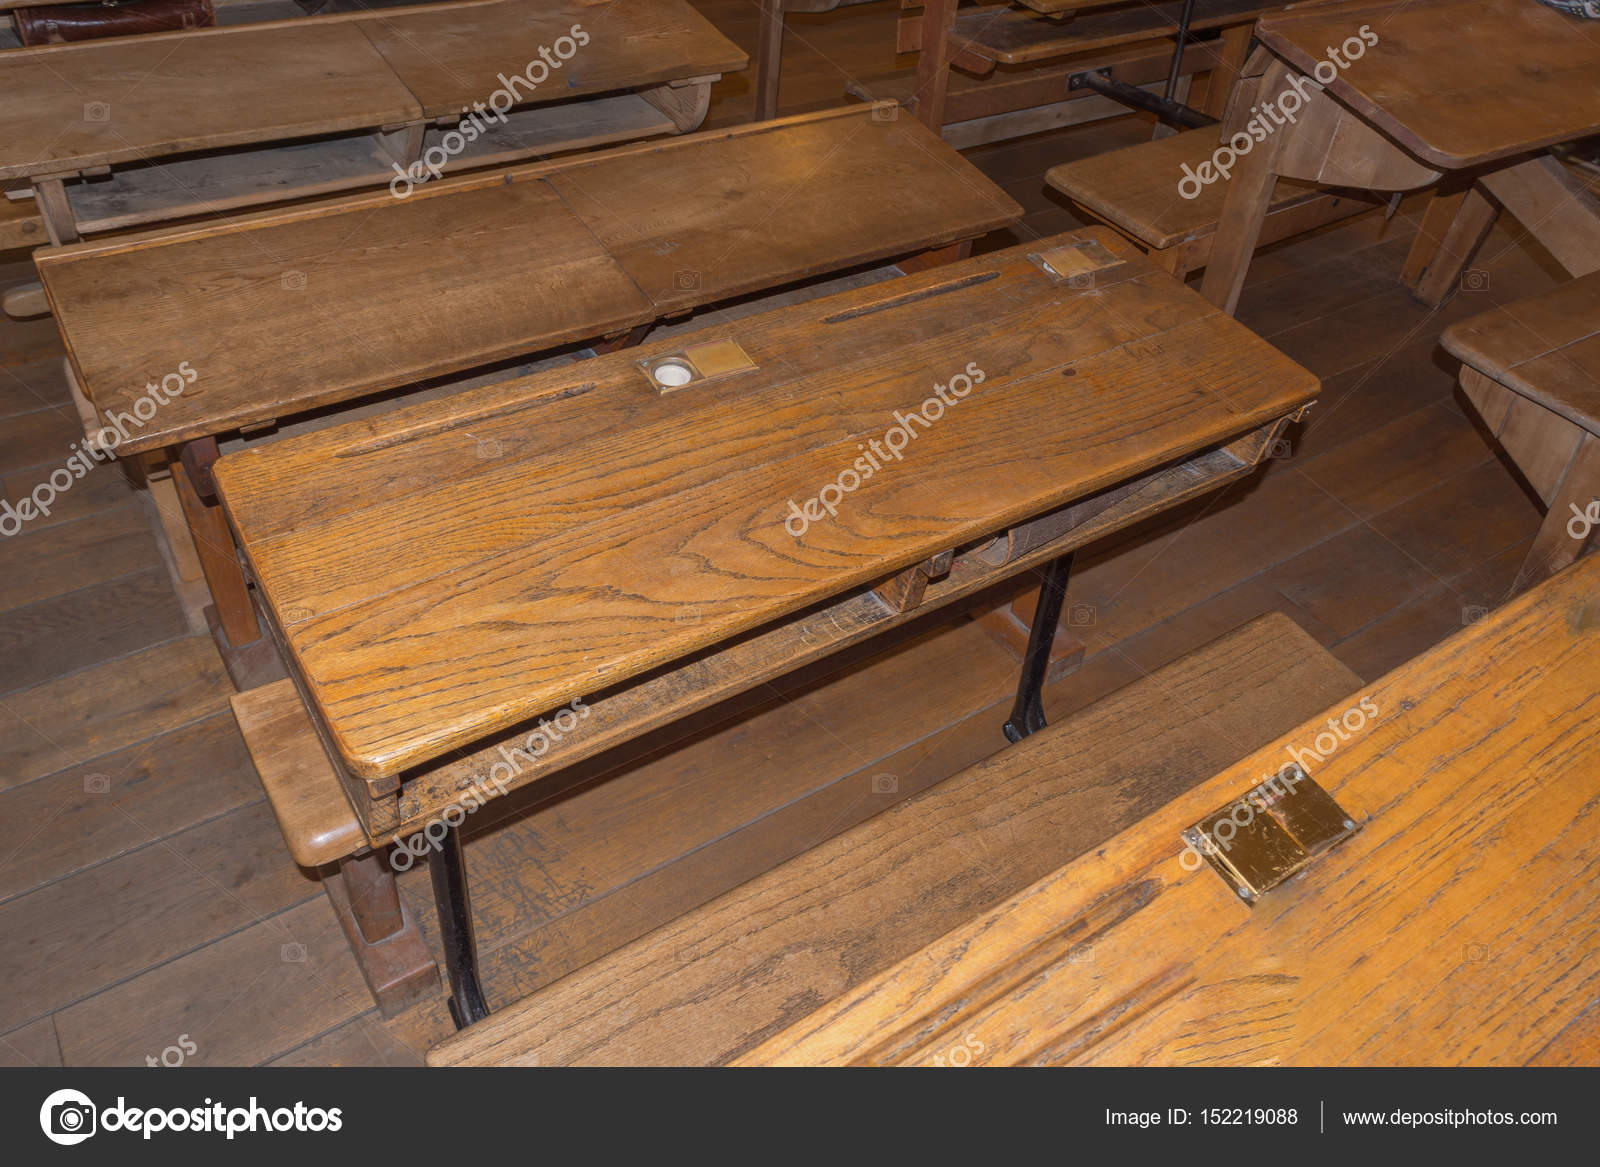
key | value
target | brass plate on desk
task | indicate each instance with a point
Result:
(1270, 833)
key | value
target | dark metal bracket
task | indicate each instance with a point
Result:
(448, 871)
(1027, 715)
(1166, 107)
(1174, 113)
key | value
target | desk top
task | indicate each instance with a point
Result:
(1456, 82)
(92, 103)
(451, 56)
(468, 271)
(458, 567)
(1546, 347)
(1450, 930)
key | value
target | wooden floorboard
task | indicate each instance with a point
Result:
(149, 896)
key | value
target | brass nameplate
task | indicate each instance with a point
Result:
(1077, 262)
(698, 362)
(1261, 839)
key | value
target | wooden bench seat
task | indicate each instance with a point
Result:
(1532, 371)
(715, 982)
(473, 270)
(1136, 190)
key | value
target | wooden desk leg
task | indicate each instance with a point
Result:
(1244, 210)
(248, 653)
(1471, 217)
(933, 65)
(1555, 208)
(1027, 715)
(55, 210)
(1230, 65)
(449, 872)
(1567, 530)
(219, 559)
(394, 959)
(769, 60)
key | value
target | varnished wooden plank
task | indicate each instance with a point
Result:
(708, 986)
(109, 922)
(81, 628)
(25, 388)
(1543, 347)
(301, 981)
(1445, 78)
(91, 103)
(450, 56)
(123, 800)
(74, 717)
(1134, 332)
(1468, 778)
(1141, 189)
(312, 812)
(33, 1044)
(695, 226)
(42, 437)
(514, 266)
(509, 270)
(103, 488)
(39, 564)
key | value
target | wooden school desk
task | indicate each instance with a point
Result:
(1455, 927)
(295, 309)
(1454, 89)
(602, 534)
(125, 131)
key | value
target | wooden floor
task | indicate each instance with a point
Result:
(146, 897)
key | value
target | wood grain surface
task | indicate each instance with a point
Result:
(715, 982)
(469, 271)
(569, 531)
(1456, 928)
(1546, 348)
(98, 102)
(449, 57)
(1456, 82)
(64, 108)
